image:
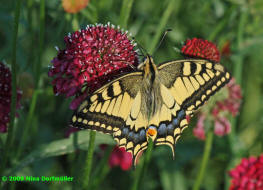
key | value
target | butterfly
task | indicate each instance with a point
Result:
(151, 102)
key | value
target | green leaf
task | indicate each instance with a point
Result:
(125, 13)
(78, 140)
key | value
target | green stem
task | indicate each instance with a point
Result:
(75, 22)
(221, 25)
(30, 59)
(41, 40)
(141, 171)
(238, 66)
(29, 15)
(238, 70)
(102, 170)
(88, 164)
(164, 19)
(29, 119)
(206, 154)
(125, 12)
(38, 64)
(13, 97)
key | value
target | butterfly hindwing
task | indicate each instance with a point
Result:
(169, 120)
(133, 141)
(192, 82)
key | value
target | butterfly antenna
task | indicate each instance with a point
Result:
(161, 41)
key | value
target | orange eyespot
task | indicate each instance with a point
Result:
(151, 132)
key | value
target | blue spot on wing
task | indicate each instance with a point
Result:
(131, 136)
(136, 138)
(142, 135)
(181, 114)
(125, 131)
(170, 129)
(175, 122)
(162, 130)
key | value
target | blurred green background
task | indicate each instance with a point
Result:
(43, 150)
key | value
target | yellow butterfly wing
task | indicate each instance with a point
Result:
(169, 122)
(192, 82)
(185, 86)
(116, 109)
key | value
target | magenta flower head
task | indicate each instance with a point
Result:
(92, 57)
(5, 97)
(248, 175)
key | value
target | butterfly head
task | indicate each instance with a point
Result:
(148, 65)
(151, 132)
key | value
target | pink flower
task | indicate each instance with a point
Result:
(92, 57)
(222, 126)
(225, 103)
(199, 130)
(5, 97)
(234, 99)
(119, 157)
(248, 175)
(200, 48)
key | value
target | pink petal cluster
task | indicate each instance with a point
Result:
(232, 103)
(92, 57)
(119, 157)
(5, 97)
(222, 126)
(200, 48)
(248, 175)
(199, 130)
(223, 107)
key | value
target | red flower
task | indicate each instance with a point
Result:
(119, 157)
(92, 57)
(224, 103)
(199, 48)
(248, 175)
(5, 97)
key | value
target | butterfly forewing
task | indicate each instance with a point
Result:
(192, 82)
(115, 109)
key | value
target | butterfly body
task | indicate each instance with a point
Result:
(150, 89)
(151, 102)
